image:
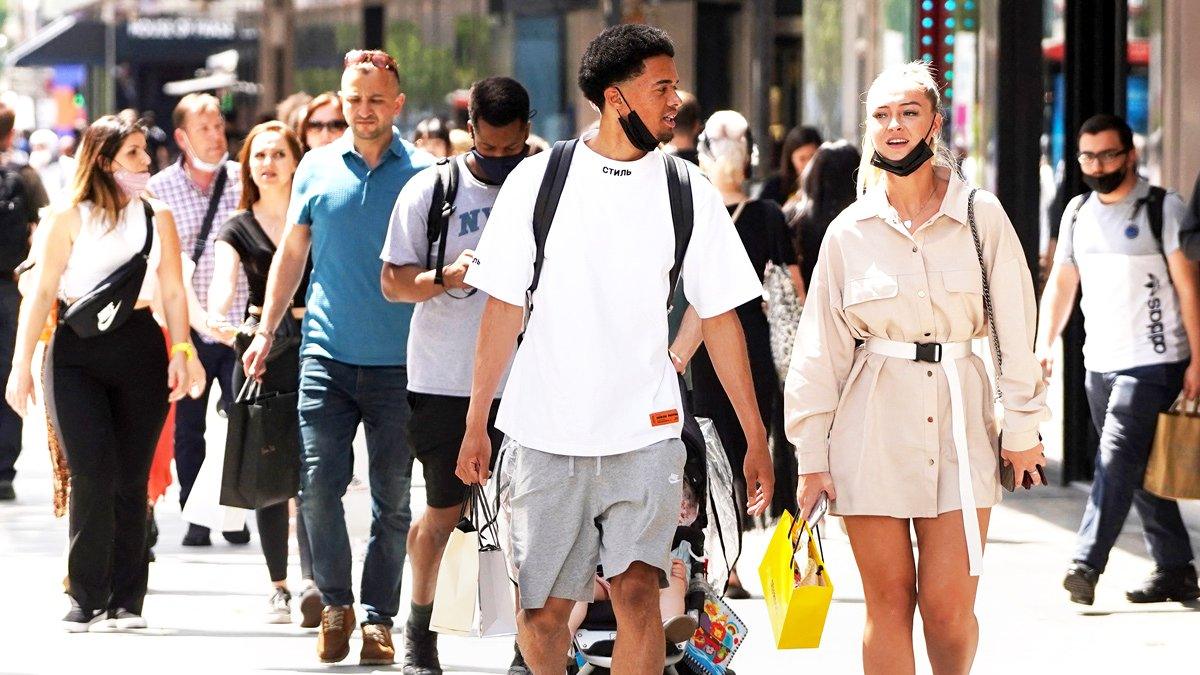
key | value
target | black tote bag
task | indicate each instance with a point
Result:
(262, 449)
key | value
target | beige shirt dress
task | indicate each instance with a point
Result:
(882, 426)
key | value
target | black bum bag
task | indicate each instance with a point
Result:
(110, 304)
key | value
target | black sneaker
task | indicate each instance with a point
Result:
(518, 665)
(238, 537)
(197, 535)
(1081, 582)
(1177, 583)
(7, 494)
(79, 620)
(420, 652)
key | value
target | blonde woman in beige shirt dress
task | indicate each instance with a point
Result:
(874, 427)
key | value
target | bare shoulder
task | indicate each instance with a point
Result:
(158, 206)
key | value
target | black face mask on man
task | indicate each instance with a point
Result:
(635, 129)
(1105, 182)
(496, 169)
(909, 163)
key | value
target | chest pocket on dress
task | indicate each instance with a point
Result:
(965, 288)
(875, 287)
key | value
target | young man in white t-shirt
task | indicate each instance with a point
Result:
(1141, 308)
(441, 339)
(593, 399)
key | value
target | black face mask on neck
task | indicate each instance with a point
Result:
(1105, 182)
(908, 163)
(635, 129)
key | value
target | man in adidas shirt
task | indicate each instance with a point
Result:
(1142, 316)
(441, 339)
(593, 399)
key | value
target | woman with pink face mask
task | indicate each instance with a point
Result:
(107, 394)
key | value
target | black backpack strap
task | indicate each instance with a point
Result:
(547, 203)
(149, 211)
(1074, 217)
(213, 203)
(441, 207)
(679, 192)
(1154, 211)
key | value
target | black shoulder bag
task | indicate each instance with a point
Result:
(213, 203)
(110, 304)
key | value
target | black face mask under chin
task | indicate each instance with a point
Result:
(908, 163)
(1105, 182)
(635, 129)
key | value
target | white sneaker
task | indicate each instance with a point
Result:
(122, 619)
(280, 607)
(79, 621)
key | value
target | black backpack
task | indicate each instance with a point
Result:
(441, 207)
(14, 220)
(679, 192)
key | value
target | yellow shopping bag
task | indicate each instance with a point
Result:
(797, 598)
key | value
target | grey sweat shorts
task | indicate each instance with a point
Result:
(570, 513)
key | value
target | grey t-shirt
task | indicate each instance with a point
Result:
(1107, 228)
(441, 338)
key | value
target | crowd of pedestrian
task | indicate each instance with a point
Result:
(474, 284)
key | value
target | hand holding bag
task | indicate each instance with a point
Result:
(797, 598)
(474, 594)
(1173, 471)
(262, 449)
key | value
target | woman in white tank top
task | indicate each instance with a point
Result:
(107, 396)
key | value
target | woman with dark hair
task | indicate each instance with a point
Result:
(433, 136)
(828, 189)
(322, 122)
(799, 147)
(107, 394)
(247, 242)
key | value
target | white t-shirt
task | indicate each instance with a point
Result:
(593, 376)
(1130, 308)
(441, 338)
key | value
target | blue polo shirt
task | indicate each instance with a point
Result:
(347, 206)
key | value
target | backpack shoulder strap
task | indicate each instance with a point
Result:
(547, 203)
(149, 211)
(1154, 211)
(441, 207)
(679, 192)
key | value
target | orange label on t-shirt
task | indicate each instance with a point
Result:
(664, 418)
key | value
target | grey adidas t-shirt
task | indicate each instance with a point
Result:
(1130, 308)
(441, 339)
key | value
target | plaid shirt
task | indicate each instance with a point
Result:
(188, 205)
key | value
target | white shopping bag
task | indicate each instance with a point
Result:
(457, 585)
(474, 594)
(204, 502)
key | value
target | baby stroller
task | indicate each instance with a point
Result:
(709, 482)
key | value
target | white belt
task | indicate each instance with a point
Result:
(945, 355)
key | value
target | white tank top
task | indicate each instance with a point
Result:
(98, 251)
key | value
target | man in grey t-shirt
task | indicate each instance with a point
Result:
(1141, 306)
(441, 339)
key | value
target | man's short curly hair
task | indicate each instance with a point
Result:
(618, 54)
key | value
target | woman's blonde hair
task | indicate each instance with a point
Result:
(916, 75)
(725, 148)
(94, 181)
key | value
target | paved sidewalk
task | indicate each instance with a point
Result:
(205, 606)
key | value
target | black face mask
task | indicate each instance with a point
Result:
(908, 163)
(496, 169)
(635, 129)
(1105, 182)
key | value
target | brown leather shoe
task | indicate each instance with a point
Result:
(377, 649)
(333, 642)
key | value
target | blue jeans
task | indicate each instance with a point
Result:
(334, 398)
(1125, 407)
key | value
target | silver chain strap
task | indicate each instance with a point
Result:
(987, 292)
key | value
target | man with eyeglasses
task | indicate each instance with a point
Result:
(353, 359)
(1120, 242)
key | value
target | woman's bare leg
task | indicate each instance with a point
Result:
(883, 550)
(946, 591)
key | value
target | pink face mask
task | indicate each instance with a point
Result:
(133, 184)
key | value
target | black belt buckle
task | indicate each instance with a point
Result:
(929, 352)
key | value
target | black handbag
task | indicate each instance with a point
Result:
(262, 449)
(107, 306)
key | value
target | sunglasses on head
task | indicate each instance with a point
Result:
(377, 58)
(331, 125)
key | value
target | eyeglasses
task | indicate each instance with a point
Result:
(375, 57)
(1090, 158)
(331, 125)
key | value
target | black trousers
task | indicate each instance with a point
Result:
(191, 414)
(108, 401)
(10, 422)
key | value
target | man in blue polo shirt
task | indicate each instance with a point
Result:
(354, 351)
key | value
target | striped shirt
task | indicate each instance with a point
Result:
(188, 205)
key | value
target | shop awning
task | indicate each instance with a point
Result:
(67, 39)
